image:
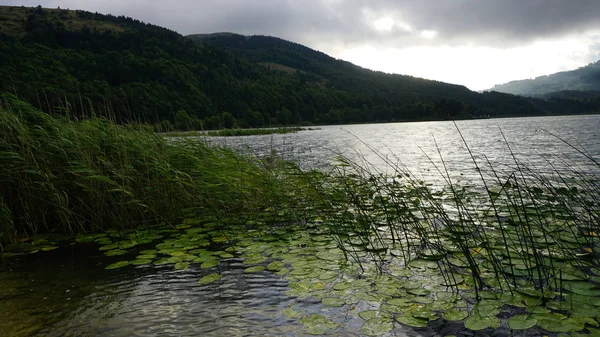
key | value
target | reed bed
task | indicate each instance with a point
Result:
(64, 176)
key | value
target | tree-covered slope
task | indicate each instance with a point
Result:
(583, 79)
(81, 63)
(439, 99)
(331, 72)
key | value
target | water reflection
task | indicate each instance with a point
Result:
(413, 145)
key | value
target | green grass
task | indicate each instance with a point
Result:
(62, 176)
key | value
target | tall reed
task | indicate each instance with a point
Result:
(530, 226)
(59, 175)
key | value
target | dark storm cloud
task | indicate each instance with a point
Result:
(498, 23)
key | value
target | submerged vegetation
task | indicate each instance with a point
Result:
(520, 249)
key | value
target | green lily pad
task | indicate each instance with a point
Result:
(209, 264)
(140, 262)
(521, 322)
(110, 246)
(412, 321)
(255, 260)
(254, 269)
(275, 266)
(555, 322)
(455, 315)
(163, 261)
(487, 308)
(423, 313)
(331, 255)
(419, 292)
(344, 285)
(210, 278)
(333, 302)
(116, 265)
(225, 255)
(291, 313)
(400, 302)
(143, 256)
(370, 314)
(182, 265)
(315, 324)
(477, 322)
(412, 285)
(283, 272)
(116, 252)
(377, 326)
(328, 276)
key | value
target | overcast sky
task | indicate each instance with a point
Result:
(477, 43)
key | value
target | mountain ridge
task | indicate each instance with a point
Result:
(586, 78)
(80, 63)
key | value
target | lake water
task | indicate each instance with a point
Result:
(67, 292)
(413, 145)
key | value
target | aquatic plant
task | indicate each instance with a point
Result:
(64, 176)
(525, 232)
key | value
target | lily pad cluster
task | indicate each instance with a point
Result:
(385, 297)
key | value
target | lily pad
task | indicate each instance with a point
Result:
(455, 315)
(209, 264)
(291, 313)
(342, 285)
(555, 322)
(143, 256)
(116, 265)
(162, 261)
(377, 326)
(116, 252)
(140, 262)
(423, 313)
(182, 265)
(210, 278)
(328, 276)
(419, 292)
(275, 266)
(412, 321)
(370, 314)
(400, 302)
(333, 302)
(521, 322)
(477, 322)
(315, 324)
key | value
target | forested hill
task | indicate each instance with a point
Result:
(81, 63)
(278, 54)
(567, 84)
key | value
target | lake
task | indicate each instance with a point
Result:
(68, 291)
(413, 145)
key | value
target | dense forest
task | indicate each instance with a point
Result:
(80, 64)
(579, 83)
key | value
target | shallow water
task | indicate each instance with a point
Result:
(67, 292)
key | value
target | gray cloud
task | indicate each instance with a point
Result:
(497, 23)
